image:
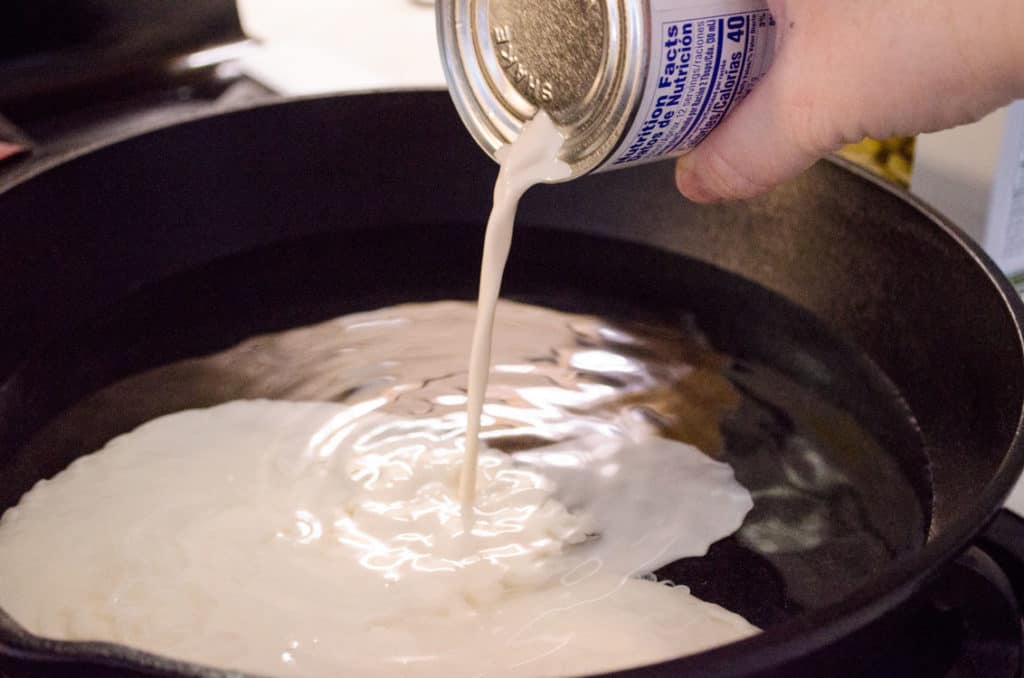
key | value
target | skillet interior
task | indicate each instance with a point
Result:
(893, 284)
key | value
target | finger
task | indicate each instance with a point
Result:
(756, 148)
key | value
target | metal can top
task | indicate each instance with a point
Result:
(581, 61)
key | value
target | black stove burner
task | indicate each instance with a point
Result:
(968, 624)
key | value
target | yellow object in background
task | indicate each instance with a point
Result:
(892, 158)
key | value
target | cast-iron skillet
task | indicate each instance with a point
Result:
(188, 239)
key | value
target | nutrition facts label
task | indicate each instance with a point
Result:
(700, 69)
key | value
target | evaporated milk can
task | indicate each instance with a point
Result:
(626, 81)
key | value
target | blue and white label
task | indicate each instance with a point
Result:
(702, 65)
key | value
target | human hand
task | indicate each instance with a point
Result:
(847, 69)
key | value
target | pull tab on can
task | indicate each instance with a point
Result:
(626, 81)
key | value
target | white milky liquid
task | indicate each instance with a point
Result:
(530, 160)
(319, 539)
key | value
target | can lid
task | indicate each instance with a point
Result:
(581, 61)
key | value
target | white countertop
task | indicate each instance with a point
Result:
(324, 46)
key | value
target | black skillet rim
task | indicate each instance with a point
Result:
(771, 650)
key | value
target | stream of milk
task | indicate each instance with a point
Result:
(532, 159)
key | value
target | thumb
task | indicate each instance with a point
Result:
(757, 147)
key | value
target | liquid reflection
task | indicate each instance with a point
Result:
(570, 395)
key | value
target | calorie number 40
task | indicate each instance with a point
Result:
(735, 26)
